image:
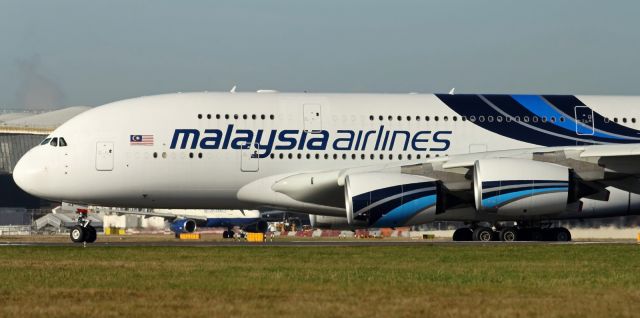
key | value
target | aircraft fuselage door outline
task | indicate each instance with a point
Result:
(104, 156)
(584, 121)
(312, 117)
(250, 157)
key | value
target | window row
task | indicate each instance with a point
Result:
(191, 155)
(353, 156)
(624, 120)
(472, 118)
(236, 116)
(325, 156)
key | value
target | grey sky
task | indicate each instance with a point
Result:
(93, 52)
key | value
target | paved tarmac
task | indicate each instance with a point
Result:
(309, 243)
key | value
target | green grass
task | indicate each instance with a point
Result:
(438, 280)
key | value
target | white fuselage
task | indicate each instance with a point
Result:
(105, 164)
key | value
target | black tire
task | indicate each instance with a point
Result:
(92, 235)
(226, 235)
(509, 234)
(464, 234)
(536, 234)
(78, 234)
(483, 234)
(561, 234)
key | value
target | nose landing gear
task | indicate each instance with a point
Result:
(83, 232)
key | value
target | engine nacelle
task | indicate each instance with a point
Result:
(381, 199)
(183, 226)
(324, 222)
(520, 187)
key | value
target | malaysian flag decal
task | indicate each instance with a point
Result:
(141, 140)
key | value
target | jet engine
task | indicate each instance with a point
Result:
(183, 226)
(324, 222)
(520, 187)
(382, 199)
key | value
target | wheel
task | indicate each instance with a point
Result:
(78, 234)
(91, 234)
(561, 234)
(463, 234)
(483, 234)
(509, 234)
(227, 234)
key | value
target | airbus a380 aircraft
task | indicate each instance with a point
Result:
(356, 160)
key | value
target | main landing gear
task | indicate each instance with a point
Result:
(83, 232)
(512, 233)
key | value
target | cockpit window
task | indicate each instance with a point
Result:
(54, 142)
(62, 142)
(46, 141)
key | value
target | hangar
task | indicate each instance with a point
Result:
(19, 132)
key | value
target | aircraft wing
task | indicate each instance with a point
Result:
(324, 191)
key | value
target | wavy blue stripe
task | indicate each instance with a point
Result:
(492, 202)
(399, 215)
(538, 106)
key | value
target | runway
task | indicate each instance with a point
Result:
(310, 243)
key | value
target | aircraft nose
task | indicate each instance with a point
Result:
(27, 172)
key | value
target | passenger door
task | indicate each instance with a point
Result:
(584, 120)
(104, 156)
(250, 158)
(312, 117)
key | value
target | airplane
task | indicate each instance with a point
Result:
(181, 220)
(188, 220)
(508, 166)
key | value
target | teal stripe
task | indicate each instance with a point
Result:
(497, 200)
(400, 215)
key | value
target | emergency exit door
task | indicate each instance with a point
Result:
(104, 156)
(250, 158)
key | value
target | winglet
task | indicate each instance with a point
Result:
(452, 91)
(233, 89)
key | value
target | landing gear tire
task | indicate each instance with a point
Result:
(560, 234)
(509, 234)
(78, 234)
(227, 234)
(463, 234)
(483, 234)
(92, 235)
